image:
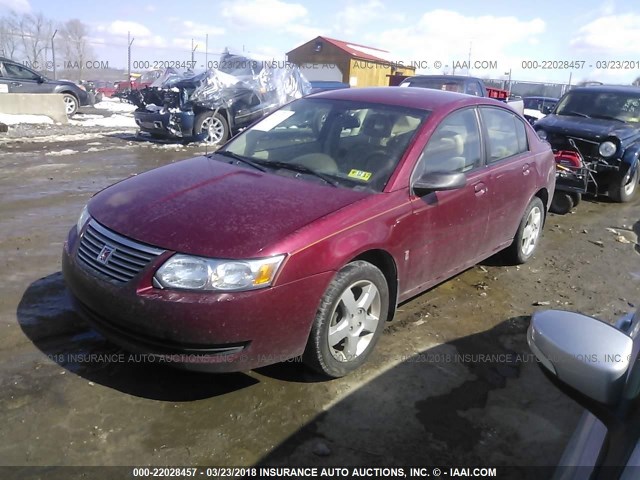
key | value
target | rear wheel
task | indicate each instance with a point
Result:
(70, 104)
(349, 321)
(527, 237)
(563, 202)
(215, 127)
(623, 187)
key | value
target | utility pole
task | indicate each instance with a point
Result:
(130, 42)
(53, 54)
(206, 51)
(193, 49)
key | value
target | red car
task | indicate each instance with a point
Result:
(302, 234)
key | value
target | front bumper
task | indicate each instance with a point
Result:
(167, 124)
(208, 331)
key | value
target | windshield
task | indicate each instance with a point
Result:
(621, 106)
(450, 85)
(351, 144)
(539, 103)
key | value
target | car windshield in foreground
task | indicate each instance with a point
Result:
(343, 143)
(618, 106)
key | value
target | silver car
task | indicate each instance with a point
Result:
(595, 363)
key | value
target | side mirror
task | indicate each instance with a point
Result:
(586, 354)
(40, 79)
(438, 181)
(546, 109)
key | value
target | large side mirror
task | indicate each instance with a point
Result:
(438, 181)
(546, 109)
(584, 353)
(40, 79)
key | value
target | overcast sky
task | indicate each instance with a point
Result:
(503, 31)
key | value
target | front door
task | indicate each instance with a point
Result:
(450, 226)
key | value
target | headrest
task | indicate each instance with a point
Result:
(377, 125)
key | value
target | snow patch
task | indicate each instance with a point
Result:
(113, 106)
(10, 119)
(60, 153)
(112, 121)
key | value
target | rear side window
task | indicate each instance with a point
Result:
(506, 133)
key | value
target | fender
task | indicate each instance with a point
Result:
(629, 161)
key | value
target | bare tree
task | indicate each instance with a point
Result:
(636, 82)
(35, 31)
(76, 46)
(9, 36)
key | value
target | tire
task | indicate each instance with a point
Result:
(527, 237)
(71, 104)
(349, 321)
(216, 126)
(563, 202)
(622, 188)
(99, 97)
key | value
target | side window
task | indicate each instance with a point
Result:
(506, 134)
(454, 145)
(16, 71)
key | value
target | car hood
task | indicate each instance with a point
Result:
(591, 128)
(206, 207)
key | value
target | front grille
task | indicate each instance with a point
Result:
(113, 255)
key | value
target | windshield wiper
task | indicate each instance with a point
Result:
(607, 117)
(239, 158)
(296, 167)
(576, 114)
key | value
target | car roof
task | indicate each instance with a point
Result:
(607, 89)
(411, 97)
(450, 77)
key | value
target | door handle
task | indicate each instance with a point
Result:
(480, 189)
(16, 84)
(526, 169)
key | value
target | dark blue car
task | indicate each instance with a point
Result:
(595, 132)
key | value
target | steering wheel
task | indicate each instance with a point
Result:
(382, 164)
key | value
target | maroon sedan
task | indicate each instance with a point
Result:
(302, 234)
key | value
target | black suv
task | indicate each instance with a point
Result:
(595, 134)
(20, 79)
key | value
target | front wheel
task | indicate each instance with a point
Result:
(349, 321)
(70, 104)
(214, 127)
(623, 187)
(527, 237)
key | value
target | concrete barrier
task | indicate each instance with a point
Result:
(48, 104)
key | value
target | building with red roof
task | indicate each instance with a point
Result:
(328, 59)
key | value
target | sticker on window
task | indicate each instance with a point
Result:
(273, 120)
(360, 175)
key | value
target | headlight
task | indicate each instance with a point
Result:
(83, 219)
(607, 149)
(82, 87)
(196, 273)
(541, 134)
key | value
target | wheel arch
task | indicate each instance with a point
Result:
(543, 194)
(69, 92)
(385, 262)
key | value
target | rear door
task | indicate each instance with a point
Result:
(512, 177)
(449, 226)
